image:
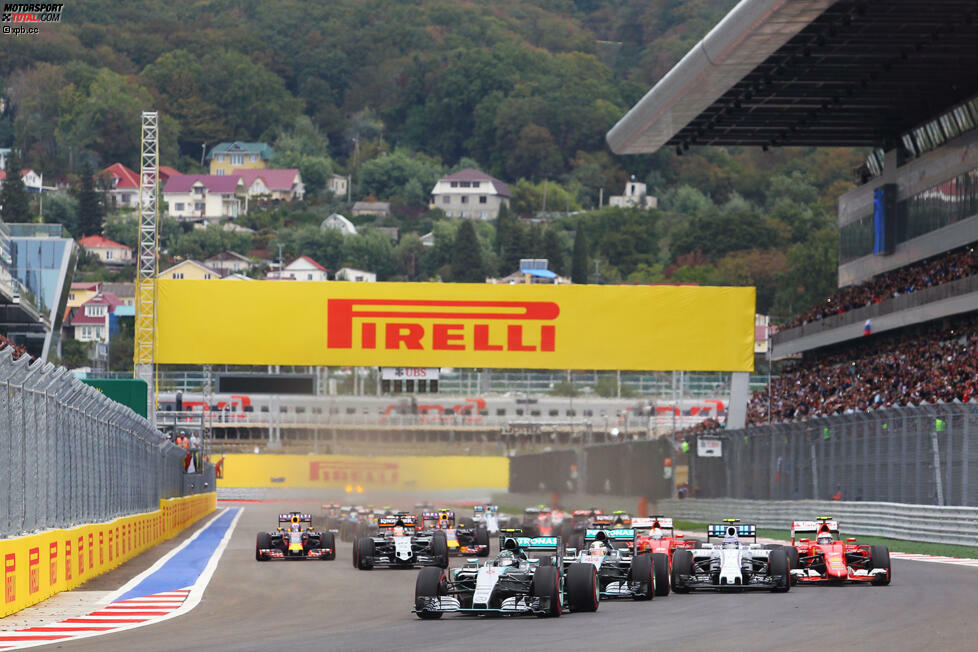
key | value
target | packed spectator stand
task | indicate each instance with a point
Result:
(947, 267)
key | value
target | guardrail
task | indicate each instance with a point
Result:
(923, 523)
(69, 455)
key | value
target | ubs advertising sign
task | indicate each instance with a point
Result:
(427, 325)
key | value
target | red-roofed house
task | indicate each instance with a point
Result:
(205, 196)
(302, 268)
(123, 185)
(33, 181)
(90, 321)
(471, 194)
(274, 184)
(109, 252)
(166, 172)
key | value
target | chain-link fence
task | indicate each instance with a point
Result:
(919, 455)
(922, 455)
(69, 455)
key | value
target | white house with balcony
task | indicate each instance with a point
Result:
(635, 197)
(205, 197)
(302, 268)
(470, 194)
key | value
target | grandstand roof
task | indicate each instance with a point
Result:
(811, 72)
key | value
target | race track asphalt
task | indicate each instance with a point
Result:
(331, 606)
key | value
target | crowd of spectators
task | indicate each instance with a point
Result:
(880, 373)
(906, 280)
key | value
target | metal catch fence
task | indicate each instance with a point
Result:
(922, 455)
(69, 455)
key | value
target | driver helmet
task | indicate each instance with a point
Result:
(823, 539)
(295, 527)
(398, 531)
(656, 534)
(731, 541)
(598, 548)
(506, 558)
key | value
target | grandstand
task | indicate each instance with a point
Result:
(896, 77)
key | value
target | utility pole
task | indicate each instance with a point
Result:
(203, 149)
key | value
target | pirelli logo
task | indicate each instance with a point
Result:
(434, 325)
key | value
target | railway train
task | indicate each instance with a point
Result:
(434, 409)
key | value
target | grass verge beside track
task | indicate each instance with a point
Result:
(895, 545)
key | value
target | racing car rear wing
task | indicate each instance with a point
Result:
(814, 527)
(739, 530)
(407, 520)
(287, 518)
(653, 522)
(620, 534)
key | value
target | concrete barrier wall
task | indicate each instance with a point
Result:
(37, 566)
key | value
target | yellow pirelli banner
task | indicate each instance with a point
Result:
(347, 472)
(37, 566)
(456, 325)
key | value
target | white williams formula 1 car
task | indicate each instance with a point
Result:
(732, 564)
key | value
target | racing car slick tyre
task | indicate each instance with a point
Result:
(365, 553)
(778, 566)
(682, 564)
(430, 584)
(482, 539)
(439, 549)
(642, 571)
(328, 540)
(546, 584)
(264, 541)
(879, 557)
(356, 552)
(660, 569)
(582, 587)
(793, 562)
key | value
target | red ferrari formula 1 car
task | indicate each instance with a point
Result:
(829, 559)
(656, 534)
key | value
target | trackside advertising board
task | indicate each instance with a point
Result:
(456, 324)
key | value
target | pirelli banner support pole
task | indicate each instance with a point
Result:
(458, 325)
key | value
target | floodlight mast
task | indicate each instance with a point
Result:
(144, 351)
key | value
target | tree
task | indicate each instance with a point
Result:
(121, 347)
(468, 265)
(74, 354)
(408, 253)
(63, 209)
(506, 232)
(14, 204)
(91, 210)
(579, 263)
(553, 250)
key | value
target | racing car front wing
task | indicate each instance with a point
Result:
(812, 576)
(313, 553)
(512, 606)
(759, 582)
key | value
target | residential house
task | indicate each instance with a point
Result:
(302, 268)
(80, 292)
(428, 239)
(4, 153)
(123, 185)
(108, 251)
(228, 262)
(90, 322)
(225, 157)
(340, 223)
(634, 197)
(190, 270)
(205, 197)
(124, 292)
(375, 208)
(337, 185)
(471, 194)
(237, 277)
(356, 275)
(533, 271)
(33, 181)
(274, 184)
(165, 172)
